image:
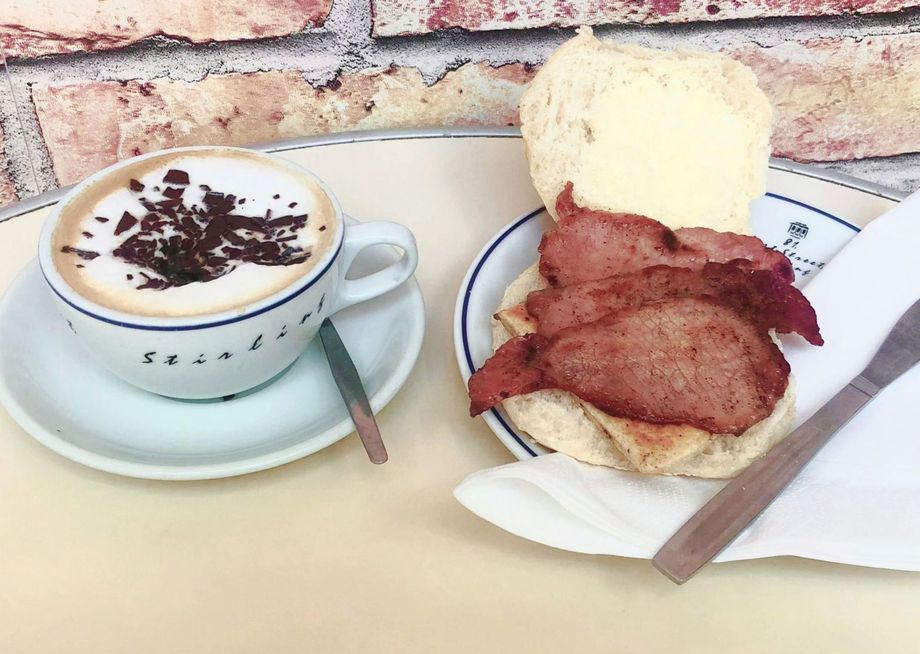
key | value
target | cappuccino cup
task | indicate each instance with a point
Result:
(203, 272)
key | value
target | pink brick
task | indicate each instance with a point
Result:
(7, 190)
(30, 28)
(397, 17)
(839, 98)
(90, 125)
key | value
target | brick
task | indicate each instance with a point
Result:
(30, 28)
(132, 117)
(8, 193)
(841, 98)
(401, 17)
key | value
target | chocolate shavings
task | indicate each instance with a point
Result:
(176, 177)
(177, 244)
(127, 222)
(89, 255)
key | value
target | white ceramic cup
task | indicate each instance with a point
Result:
(220, 354)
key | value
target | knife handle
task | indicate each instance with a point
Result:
(745, 497)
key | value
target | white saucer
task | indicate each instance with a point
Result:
(56, 393)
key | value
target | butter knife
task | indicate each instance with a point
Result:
(352, 392)
(721, 519)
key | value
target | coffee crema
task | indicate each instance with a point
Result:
(194, 232)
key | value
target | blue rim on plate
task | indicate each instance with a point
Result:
(483, 257)
(467, 292)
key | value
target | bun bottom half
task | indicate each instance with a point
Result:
(564, 423)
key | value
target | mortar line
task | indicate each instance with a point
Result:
(355, 48)
(17, 109)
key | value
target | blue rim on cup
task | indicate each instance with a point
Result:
(201, 321)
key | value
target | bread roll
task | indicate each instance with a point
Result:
(681, 137)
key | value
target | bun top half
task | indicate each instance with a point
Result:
(679, 136)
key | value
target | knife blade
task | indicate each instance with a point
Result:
(352, 391)
(744, 498)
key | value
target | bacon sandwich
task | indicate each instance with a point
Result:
(643, 344)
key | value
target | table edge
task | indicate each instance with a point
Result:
(401, 134)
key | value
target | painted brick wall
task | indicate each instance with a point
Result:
(92, 81)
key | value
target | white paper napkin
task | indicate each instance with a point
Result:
(857, 502)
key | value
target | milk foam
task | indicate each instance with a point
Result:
(104, 279)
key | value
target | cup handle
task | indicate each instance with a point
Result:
(361, 236)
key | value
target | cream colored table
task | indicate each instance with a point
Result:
(332, 554)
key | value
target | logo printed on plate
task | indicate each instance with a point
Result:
(808, 236)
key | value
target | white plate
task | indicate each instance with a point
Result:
(52, 388)
(808, 236)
